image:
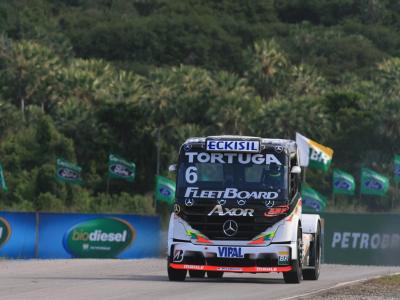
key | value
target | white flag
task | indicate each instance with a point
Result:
(304, 149)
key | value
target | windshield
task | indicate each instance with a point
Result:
(232, 175)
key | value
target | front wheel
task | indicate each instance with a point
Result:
(215, 275)
(176, 275)
(197, 274)
(295, 275)
(315, 258)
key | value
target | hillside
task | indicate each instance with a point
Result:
(80, 79)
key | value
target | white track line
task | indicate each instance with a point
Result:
(338, 285)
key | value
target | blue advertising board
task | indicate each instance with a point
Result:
(98, 236)
(17, 235)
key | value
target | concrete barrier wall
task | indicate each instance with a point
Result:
(361, 239)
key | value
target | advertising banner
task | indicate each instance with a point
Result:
(98, 236)
(17, 235)
(362, 239)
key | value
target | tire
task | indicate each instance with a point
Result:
(176, 275)
(215, 275)
(315, 258)
(295, 275)
(197, 274)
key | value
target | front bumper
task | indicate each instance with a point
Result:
(242, 259)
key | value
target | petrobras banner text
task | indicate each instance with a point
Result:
(361, 239)
(98, 236)
(17, 235)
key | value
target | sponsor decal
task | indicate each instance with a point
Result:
(230, 252)
(229, 193)
(200, 238)
(262, 238)
(241, 202)
(193, 267)
(189, 202)
(5, 231)
(221, 201)
(278, 148)
(362, 240)
(230, 227)
(230, 158)
(283, 260)
(187, 147)
(229, 269)
(99, 238)
(233, 212)
(233, 146)
(269, 203)
(178, 256)
(177, 208)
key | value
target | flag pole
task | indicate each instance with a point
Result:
(333, 198)
(158, 151)
(108, 185)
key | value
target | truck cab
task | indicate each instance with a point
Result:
(238, 209)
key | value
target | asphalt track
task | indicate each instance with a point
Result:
(147, 279)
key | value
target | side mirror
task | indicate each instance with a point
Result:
(295, 170)
(172, 168)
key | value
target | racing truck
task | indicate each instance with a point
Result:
(238, 208)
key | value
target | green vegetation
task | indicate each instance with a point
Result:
(393, 280)
(80, 79)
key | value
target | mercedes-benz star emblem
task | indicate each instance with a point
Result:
(221, 201)
(241, 202)
(230, 227)
(269, 203)
(189, 202)
(177, 209)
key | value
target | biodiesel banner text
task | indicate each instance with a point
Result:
(361, 239)
(98, 236)
(17, 235)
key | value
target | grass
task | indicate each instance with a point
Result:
(393, 280)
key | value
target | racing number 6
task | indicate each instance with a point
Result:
(191, 175)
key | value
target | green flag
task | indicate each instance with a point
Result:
(373, 183)
(3, 184)
(165, 189)
(119, 168)
(312, 200)
(68, 172)
(343, 183)
(397, 168)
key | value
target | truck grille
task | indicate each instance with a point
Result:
(212, 226)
